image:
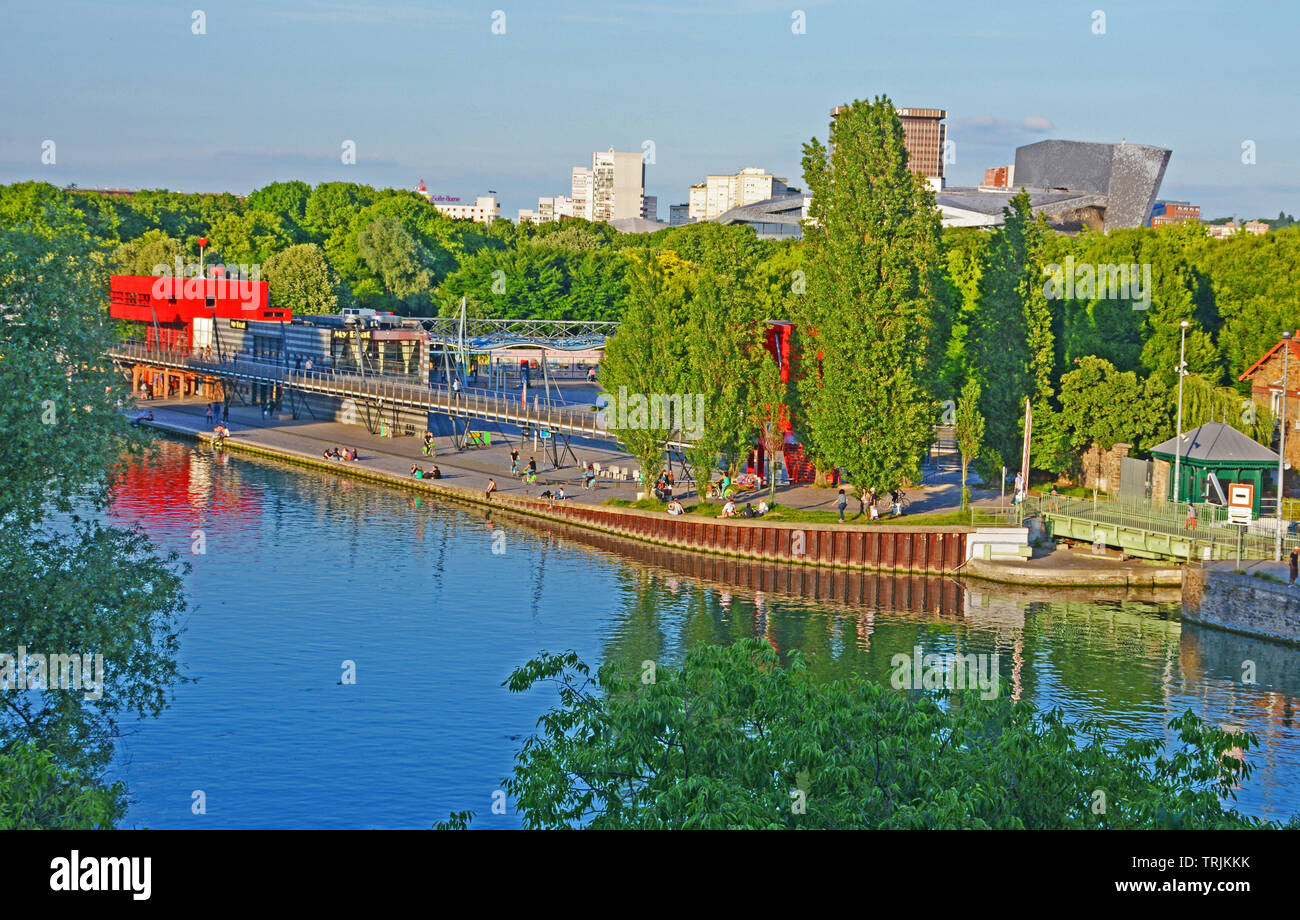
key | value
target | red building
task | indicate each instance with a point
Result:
(180, 314)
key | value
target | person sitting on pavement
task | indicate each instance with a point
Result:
(435, 472)
(417, 472)
(559, 495)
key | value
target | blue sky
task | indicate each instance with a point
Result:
(131, 97)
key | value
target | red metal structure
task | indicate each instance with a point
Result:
(169, 307)
(180, 314)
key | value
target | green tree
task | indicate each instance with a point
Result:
(37, 793)
(302, 279)
(1010, 346)
(639, 361)
(405, 266)
(71, 587)
(145, 254)
(735, 739)
(871, 249)
(250, 238)
(969, 426)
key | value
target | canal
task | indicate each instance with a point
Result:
(302, 578)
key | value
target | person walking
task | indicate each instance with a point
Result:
(842, 503)
(863, 501)
(1294, 565)
(211, 416)
(1190, 523)
(225, 413)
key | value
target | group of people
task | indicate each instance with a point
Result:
(421, 473)
(219, 434)
(333, 453)
(529, 475)
(663, 487)
(869, 503)
(554, 496)
(749, 511)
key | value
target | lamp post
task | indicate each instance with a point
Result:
(1178, 437)
(203, 242)
(1281, 447)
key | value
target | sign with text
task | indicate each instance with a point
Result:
(1241, 502)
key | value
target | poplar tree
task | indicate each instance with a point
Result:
(1011, 344)
(872, 256)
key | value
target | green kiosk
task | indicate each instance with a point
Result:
(1220, 449)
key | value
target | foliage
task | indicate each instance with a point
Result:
(38, 793)
(70, 587)
(872, 257)
(302, 279)
(969, 426)
(734, 738)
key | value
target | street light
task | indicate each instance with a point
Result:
(1281, 447)
(1178, 437)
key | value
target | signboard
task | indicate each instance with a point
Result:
(347, 334)
(1241, 502)
(238, 324)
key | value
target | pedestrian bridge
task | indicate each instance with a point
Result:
(1156, 530)
(554, 418)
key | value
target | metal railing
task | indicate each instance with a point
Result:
(1209, 528)
(546, 414)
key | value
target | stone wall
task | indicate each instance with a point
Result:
(1216, 594)
(1101, 467)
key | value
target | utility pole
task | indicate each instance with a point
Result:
(1178, 437)
(1281, 447)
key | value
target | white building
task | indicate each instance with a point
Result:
(720, 193)
(484, 210)
(613, 188)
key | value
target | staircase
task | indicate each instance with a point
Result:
(797, 466)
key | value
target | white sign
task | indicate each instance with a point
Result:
(1241, 502)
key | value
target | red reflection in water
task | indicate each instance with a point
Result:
(182, 488)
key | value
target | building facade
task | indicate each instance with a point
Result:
(1165, 213)
(484, 210)
(1266, 388)
(718, 194)
(924, 138)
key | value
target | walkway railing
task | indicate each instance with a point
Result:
(1123, 522)
(547, 414)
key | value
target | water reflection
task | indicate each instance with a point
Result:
(306, 568)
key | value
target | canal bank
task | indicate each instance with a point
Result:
(923, 550)
(1253, 600)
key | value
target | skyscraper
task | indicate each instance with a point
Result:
(924, 134)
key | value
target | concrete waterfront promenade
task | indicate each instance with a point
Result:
(880, 546)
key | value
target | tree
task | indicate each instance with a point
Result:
(1010, 347)
(302, 279)
(642, 361)
(37, 793)
(405, 266)
(871, 249)
(145, 255)
(970, 431)
(251, 238)
(71, 587)
(735, 738)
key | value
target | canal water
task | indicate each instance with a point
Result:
(302, 573)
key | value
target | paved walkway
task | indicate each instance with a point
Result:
(471, 468)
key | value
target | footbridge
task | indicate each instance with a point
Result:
(556, 420)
